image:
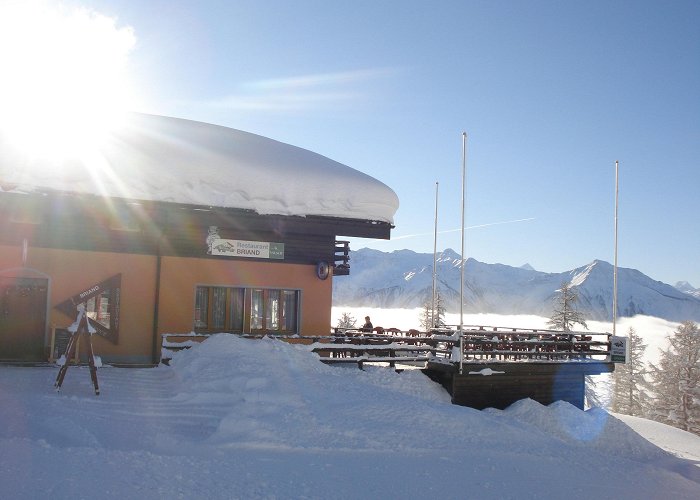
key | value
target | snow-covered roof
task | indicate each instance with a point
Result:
(159, 158)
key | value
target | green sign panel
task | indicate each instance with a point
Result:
(277, 250)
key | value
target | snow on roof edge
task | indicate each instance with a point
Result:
(156, 158)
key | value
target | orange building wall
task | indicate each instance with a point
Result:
(180, 276)
(72, 271)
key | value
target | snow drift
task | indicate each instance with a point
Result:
(236, 418)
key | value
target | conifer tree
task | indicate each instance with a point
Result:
(590, 393)
(565, 315)
(676, 380)
(432, 319)
(630, 395)
(346, 320)
(426, 315)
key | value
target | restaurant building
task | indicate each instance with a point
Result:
(175, 226)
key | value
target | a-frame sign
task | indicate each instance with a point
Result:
(105, 319)
(80, 328)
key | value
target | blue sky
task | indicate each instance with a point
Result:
(550, 93)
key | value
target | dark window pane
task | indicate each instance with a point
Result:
(289, 311)
(237, 296)
(218, 308)
(201, 307)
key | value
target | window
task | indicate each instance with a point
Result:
(256, 309)
(225, 308)
(218, 308)
(272, 310)
(201, 308)
(289, 310)
(237, 309)
(98, 308)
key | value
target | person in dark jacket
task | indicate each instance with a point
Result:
(367, 327)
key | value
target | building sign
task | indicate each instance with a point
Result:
(242, 248)
(103, 302)
(618, 349)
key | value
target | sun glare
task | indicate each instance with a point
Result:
(64, 83)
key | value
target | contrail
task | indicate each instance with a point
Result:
(403, 237)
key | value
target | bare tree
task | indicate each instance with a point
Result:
(565, 315)
(630, 388)
(676, 380)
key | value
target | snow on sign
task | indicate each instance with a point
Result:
(242, 248)
(102, 302)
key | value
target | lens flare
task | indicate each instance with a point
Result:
(64, 84)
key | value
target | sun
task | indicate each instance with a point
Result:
(65, 76)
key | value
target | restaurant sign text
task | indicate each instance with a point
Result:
(243, 248)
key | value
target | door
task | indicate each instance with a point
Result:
(23, 318)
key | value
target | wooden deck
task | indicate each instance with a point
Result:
(498, 365)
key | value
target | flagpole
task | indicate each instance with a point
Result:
(464, 263)
(617, 165)
(432, 319)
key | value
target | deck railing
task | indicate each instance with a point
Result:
(480, 344)
(492, 343)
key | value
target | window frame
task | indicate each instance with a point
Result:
(255, 304)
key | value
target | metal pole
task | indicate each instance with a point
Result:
(464, 263)
(432, 319)
(25, 247)
(617, 164)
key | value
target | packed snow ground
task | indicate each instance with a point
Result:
(236, 418)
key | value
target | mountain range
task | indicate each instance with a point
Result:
(403, 279)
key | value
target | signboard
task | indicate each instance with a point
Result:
(103, 301)
(618, 349)
(252, 249)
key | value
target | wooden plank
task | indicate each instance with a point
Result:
(507, 383)
(87, 222)
(361, 361)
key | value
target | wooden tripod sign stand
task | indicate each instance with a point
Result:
(81, 328)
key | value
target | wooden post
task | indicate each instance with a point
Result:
(81, 328)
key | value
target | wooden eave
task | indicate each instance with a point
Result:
(52, 207)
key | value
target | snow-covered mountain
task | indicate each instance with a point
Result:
(403, 279)
(686, 287)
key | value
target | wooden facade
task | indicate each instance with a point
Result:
(146, 268)
(498, 385)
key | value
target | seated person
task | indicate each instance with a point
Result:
(367, 327)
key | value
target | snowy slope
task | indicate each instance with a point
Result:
(236, 418)
(403, 279)
(169, 159)
(686, 287)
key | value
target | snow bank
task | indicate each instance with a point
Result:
(173, 160)
(239, 418)
(280, 395)
(679, 442)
